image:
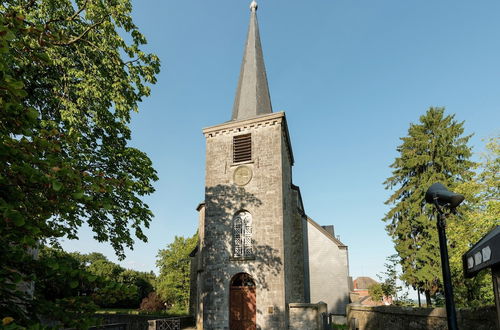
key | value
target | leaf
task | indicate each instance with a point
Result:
(56, 185)
(16, 217)
(16, 84)
(73, 284)
(78, 195)
(32, 114)
(53, 265)
(9, 36)
(16, 278)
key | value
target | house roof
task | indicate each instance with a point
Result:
(326, 233)
(195, 251)
(200, 206)
(301, 204)
(363, 283)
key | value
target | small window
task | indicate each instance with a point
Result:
(242, 235)
(242, 148)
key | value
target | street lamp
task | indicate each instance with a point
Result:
(441, 197)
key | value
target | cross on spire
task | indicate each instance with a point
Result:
(254, 6)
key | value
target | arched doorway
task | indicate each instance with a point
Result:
(242, 310)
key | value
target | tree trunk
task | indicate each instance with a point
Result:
(419, 302)
(428, 298)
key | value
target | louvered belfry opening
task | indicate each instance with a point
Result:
(242, 148)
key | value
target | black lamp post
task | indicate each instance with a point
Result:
(438, 195)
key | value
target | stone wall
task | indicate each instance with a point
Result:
(306, 316)
(292, 229)
(408, 318)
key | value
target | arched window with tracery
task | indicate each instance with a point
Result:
(242, 235)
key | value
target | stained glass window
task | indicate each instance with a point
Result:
(242, 235)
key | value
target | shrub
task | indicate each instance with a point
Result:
(152, 303)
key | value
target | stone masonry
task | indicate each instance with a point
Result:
(278, 265)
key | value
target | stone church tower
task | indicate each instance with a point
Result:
(251, 261)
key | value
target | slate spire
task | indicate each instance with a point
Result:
(252, 95)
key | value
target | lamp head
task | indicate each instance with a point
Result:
(443, 196)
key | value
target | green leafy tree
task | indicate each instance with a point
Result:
(174, 264)
(142, 280)
(105, 269)
(69, 290)
(88, 259)
(389, 280)
(63, 289)
(376, 292)
(71, 73)
(125, 287)
(481, 213)
(435, 150)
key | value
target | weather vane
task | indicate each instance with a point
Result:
(254, 6)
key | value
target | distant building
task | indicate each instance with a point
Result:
(361, 295)
(362, 285)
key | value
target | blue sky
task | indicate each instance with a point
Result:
(351, 76)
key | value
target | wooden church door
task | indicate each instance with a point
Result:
(242, 309)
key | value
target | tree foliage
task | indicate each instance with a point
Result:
(69, 288)
(71, 73)
(389, 280)
(435, 150)
(174, 264)
(124, 288)
(388, 289)
(63, 289)
(376, 292)
(481, 213)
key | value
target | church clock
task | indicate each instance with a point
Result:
(242, 175)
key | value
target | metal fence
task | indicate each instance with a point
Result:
(330, 319)
(112, 326)
(165, 324)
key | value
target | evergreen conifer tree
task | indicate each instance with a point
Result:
(435, 150)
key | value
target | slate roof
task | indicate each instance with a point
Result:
(252, 95)
(326, 233)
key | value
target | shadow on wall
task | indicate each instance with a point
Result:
(222, 202)
(339, 316)
(270, 322)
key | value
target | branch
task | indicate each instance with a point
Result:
(115, 55)
(72, 41)
(29, 4)
(70, 18)
(78, 12)
(131, 61)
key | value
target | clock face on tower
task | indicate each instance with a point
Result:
(242, 175)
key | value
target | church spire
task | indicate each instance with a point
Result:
(252, 96)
